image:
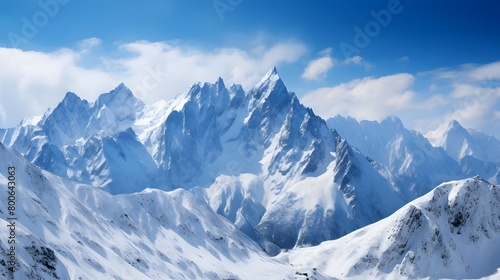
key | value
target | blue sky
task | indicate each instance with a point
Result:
(425, 61)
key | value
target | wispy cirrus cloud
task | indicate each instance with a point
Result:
(317, 68)
(404, 58)
(358, 60)
(89, 43)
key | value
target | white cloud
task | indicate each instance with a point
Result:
(433, 87)
(34, 81)
(317, 68)
(89, 43)
(161, 70)
(473, 100)
(404, 58)
(496, 115)
(358, 60)
(485, 72)
(3, 114)
(474, 107)
(355, 60)
(367, 98)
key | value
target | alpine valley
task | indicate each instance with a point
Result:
(227, 183)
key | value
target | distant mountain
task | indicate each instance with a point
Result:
(453, 232)
(460, 142)
(476, 152)
(414, 164)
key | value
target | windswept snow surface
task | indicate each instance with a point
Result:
(453, 232)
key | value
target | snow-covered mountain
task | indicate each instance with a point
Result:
(197, 186)
(67, 230)
(476, 152)
(414, 164)
(88, 143)
(459, 142)
(453, 232)
(258, 157)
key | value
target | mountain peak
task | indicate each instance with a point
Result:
(459, 142)
(71, 102)
(119, 95)
(454, 124)
(71, 96)
(220, 84)
(120, 90)
(272, 74)
(394, 121)
(271, 82)
(273, 71)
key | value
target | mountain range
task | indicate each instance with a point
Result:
(236, 177)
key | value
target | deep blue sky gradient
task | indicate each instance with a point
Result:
(432, 33)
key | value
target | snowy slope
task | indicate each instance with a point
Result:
(452, 232)
(66, 230)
